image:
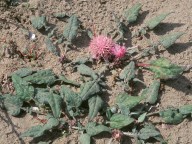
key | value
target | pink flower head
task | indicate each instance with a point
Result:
(101, 47)
(119, 51)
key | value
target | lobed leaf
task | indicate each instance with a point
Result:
(132, 13)
(128, 72)
(39, 22)
(93, 128)
(85, 139)
(71, 29)
(54, 100)
(164, 69)
(73, 101)
(35, 131)
(148, 131)
(39, 130)
(169, 39)
(186, 109)
(23, 89)
(12, 104)
(42, 77)
(118, 121)
(85, 70)
(51, 47)
(95, 104)
(65, 80)
(152, 92)
(142, 117)
(152, 23)
(128, 101)
(171, 116)
(89, 89)
(23, 72)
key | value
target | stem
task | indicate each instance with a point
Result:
(143, 65)
(152, 114)
(130, 134)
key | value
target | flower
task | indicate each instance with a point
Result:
(101, 47)
(119, 51)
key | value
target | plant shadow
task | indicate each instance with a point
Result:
(163, 28)
(7, 119)
(181, 84)
(82, 40)
(141, 18)
(47, 137)
(179, 47)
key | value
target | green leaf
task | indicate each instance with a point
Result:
(148, 131)
(39, 22)
(12, 104)
(132, 13)
(164, 69)
(169, 39)
(42, 77)
(73, 101)
(171, 116)
(39, 130)
(93, 128)
(90, 88)
(85, 70)
(71, 29)
(23, 88)
(128, 101)
(142, 117)
(118, 121)
(186, 109)
(67, 81)
(152, 23)
(128, 72)
(54, 100)
(23, 72)
(152, 92)
(95, 104)
(34, 131)
(51, 47)
(85, 139)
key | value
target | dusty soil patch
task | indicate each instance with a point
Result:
(97, 13)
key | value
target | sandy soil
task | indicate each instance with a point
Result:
(97, 14)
